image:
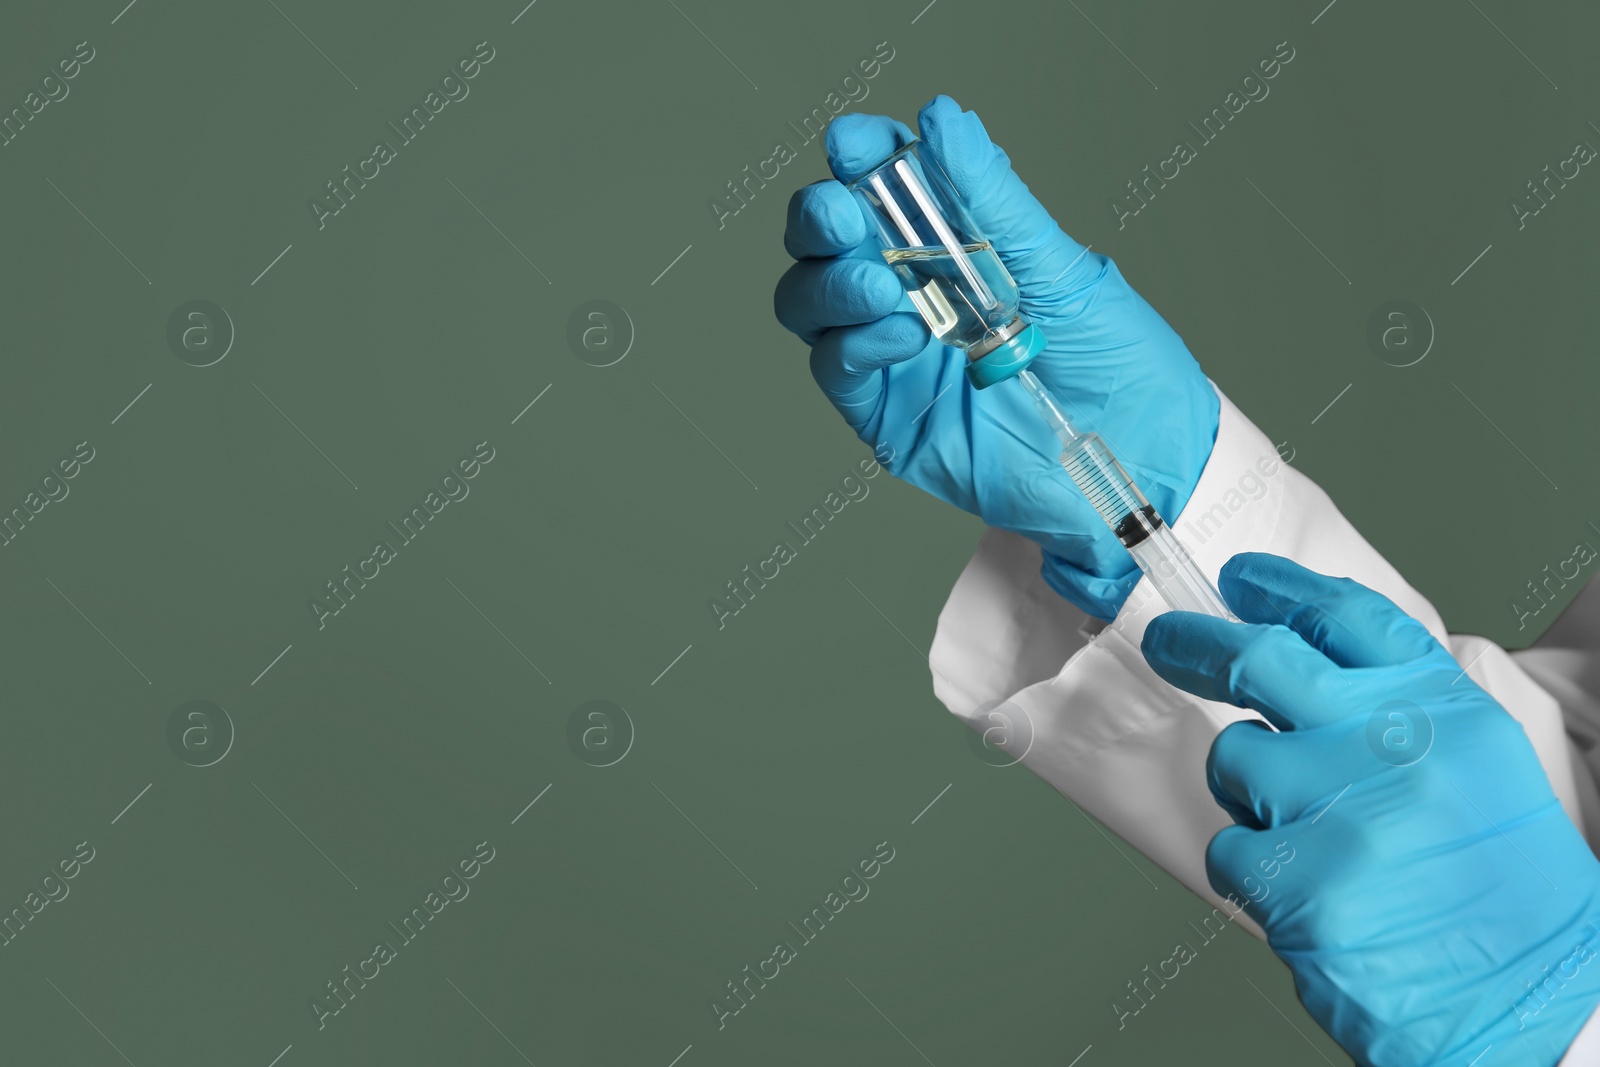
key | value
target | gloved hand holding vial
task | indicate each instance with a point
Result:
(943, 225)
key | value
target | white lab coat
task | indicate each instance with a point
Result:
(1085, 712)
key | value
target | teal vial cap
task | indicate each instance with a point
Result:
(1008, 359)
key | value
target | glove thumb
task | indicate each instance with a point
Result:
(1036, 251)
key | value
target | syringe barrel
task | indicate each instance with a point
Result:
(1148, 539)
(1175, 575)
(1110, 491)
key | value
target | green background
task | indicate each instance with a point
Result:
(426, 716)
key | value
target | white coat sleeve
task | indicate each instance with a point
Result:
(1085, 712)
(1585, 1048)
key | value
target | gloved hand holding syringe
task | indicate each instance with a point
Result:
(958, 283)
(1034, 305)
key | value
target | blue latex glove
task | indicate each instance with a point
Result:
(1120, 368)
(1438, 901)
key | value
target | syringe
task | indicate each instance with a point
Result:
(969, 300)
(1149, 540)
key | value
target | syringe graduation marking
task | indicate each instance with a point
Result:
(1105, 486)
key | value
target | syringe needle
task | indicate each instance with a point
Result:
(1049, 408)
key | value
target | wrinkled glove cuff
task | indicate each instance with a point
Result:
(1100, 596)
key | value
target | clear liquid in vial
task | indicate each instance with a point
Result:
(962, 300)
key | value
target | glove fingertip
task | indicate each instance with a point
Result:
(1166, 637)
(872, 346)
(823, 220)
(1229, 753)
(908, 332)
(958, 140)
(1251, 567)
(847, 362)
(1220, 857)
(1351, 623)
(881, 288)
(857, 291)
(857, 143)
